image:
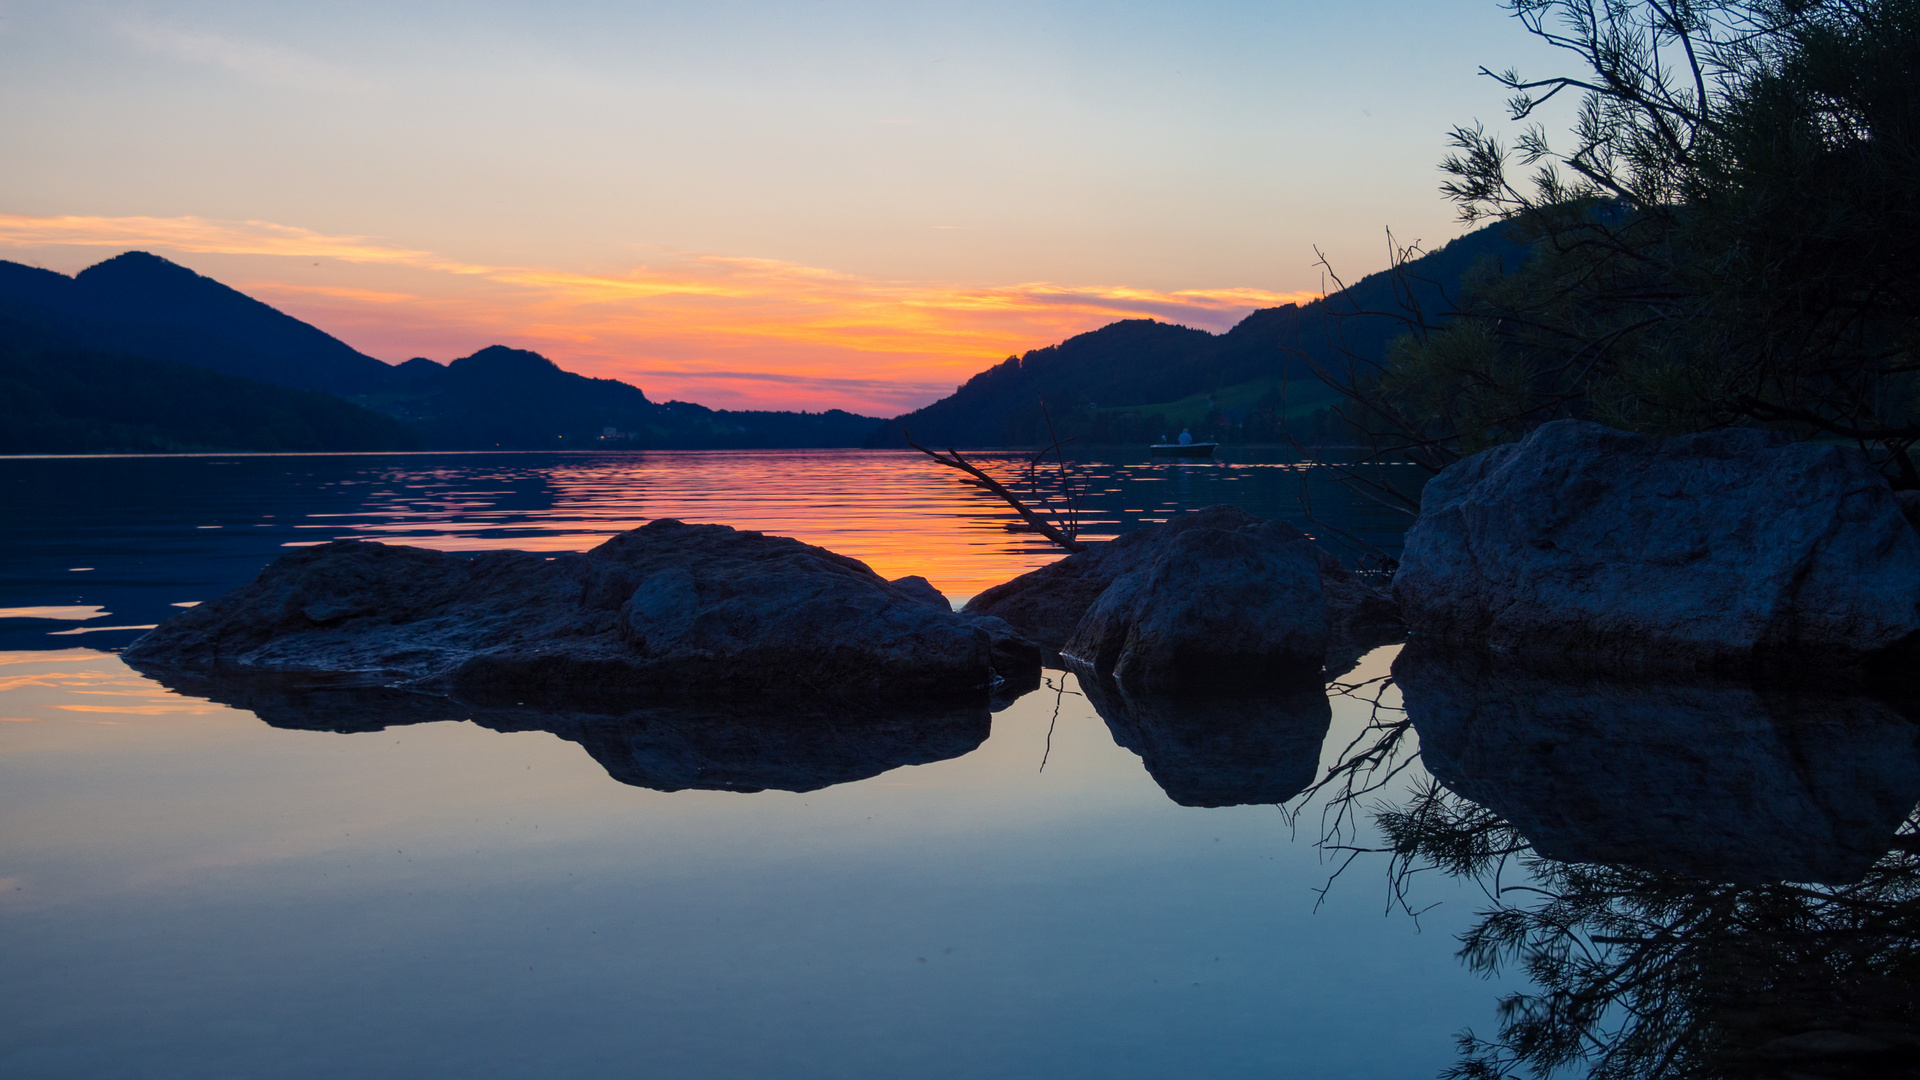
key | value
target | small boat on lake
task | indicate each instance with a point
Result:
(1198, 449)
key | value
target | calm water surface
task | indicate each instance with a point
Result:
(189, 889)
(135, 535)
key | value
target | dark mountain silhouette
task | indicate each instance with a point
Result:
(515, 398)
(1138, 379)
(138, 304)
(509, 397)
(137, 308)
(57, 397)
(1129, 382)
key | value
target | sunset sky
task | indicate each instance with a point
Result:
(745, 204)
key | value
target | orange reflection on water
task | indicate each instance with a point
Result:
(896, 511)
(53, 684)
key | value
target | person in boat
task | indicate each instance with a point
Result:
(1186, 437)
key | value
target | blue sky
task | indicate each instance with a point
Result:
(1121, 148)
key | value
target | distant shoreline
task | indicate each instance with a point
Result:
(622, 450)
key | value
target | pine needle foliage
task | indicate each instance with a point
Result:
(1728, 234)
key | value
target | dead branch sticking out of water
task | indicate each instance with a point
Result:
(1069, 513)
(952, 460)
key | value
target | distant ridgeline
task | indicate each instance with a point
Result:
(58, 397)
(1135, 381)
(139, 354)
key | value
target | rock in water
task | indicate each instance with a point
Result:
(1048, 604)
(915, 587)
(669, 606)
(1704, 550)
(1213, 605)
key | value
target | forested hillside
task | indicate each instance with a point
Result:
(163, 328)
(1136, 380)
(57, 397)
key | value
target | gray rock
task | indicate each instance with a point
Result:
(1361, 616)
(915, 587)
(1702, 550)
(667, 607)
(1016, 661)
(1213, 606)
(1048, 604)
(1718, 779)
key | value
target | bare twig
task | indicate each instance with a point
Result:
(1070, 502)
(1060, 693)
(952, 460)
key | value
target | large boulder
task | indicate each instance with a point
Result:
(1228, 604)
(1708, 550)
(1212, 606)
(667, 607)
(1048, 605)
(1717, 779)
(1016, 659)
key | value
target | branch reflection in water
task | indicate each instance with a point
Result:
(1700, 879)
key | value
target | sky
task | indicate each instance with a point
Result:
(806, 204)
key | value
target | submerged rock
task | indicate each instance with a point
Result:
(1704, 550)
(1220, 750)
(742, 745)
(1235, 596)
(1712, 778)
(666, 607)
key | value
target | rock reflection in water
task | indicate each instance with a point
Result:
(1621, 835)
(1714, 779)
(1227, 750)
(1644, 973)
(672, 745)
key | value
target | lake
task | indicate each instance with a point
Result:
(190, 889)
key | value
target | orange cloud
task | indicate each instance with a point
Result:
(201, 235)
(726, 331)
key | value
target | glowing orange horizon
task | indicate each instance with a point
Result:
(727, 331)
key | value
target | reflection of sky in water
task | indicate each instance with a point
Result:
(157, 531)
(896, 511)
(187, 891)
(190, 892)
